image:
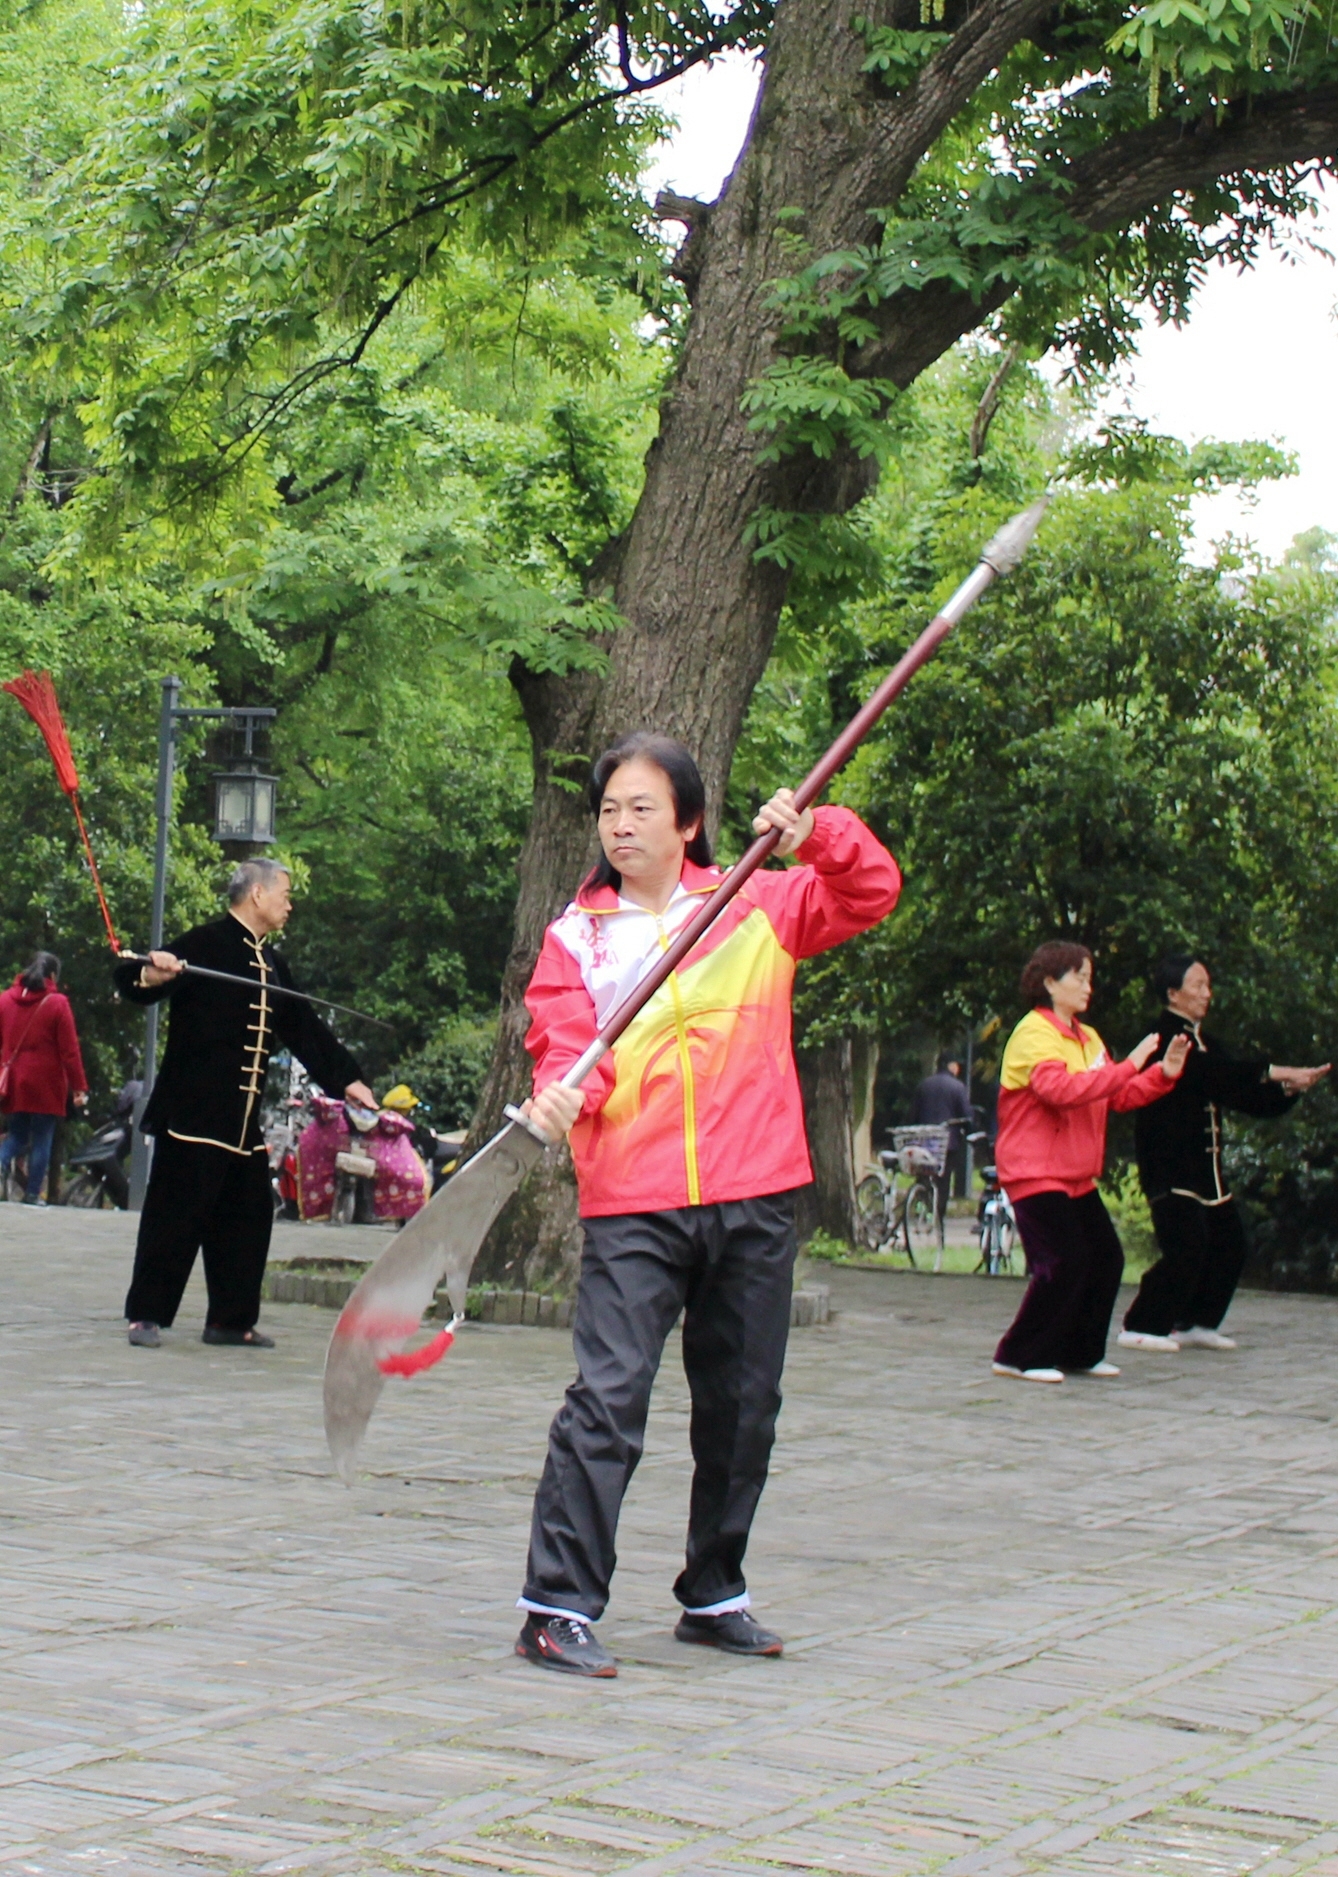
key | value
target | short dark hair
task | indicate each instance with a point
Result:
(947, 1059)
(685, 785)
(1170, 973)
(44, 966)
(249, 873)
(1051, 960)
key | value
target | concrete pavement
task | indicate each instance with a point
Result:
(1071, 1631)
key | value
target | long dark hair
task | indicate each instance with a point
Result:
(685, 785)
(44, 965)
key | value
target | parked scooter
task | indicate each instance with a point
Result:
(356, 1165)
(439, 1153)
(100, 1178)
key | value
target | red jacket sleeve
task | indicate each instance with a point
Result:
(846, 882)
(1119, 1083)
(67, 1042)
(562, 1025)
(1145, 1088)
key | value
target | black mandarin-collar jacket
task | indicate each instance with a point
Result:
(1178, 1139)
(219, 1039)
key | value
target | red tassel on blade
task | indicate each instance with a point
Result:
(37, 694)
(414, 1361)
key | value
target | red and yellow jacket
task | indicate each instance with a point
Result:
(698, 1101)
(1055, 1086)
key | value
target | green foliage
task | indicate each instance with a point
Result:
(447, 1072)
(1124, 1201)
(827, 1249)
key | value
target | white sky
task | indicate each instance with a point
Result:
(1257, 359)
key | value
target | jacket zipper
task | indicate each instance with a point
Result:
(685, 1070)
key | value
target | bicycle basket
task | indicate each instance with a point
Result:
(921, 1149)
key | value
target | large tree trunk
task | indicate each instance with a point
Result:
(827, 1077)
(828, 147)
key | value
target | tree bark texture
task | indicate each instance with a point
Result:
(826, 1076)
(831, 142)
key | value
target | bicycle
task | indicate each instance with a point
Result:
(996, 1227)
(887, 1213)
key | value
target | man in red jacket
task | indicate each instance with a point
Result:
(40, 1069)
(689, 1143)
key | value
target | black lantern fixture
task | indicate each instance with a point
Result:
(243, 793)
(244, 805)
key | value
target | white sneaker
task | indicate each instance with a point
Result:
(1141, 1339)
(1100, 1368)
(1203, 1339)
(1028, 1375)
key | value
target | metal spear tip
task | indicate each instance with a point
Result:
(1012, 541)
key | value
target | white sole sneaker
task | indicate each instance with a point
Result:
(1203, 1339)
(1028, 1375)
(1100, 1368)
(1140, 1339)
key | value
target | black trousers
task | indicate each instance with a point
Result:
(1202, 1256)
(1075, 1263)
(729, 1269)
(202, 1198)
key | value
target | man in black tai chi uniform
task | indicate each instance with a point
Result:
(1185, 1295)
(209, 1188)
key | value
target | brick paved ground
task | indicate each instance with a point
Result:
(1072, 1631)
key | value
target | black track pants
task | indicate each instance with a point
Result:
(1075, 1262)
(729, 1268)
(202, 1198)
(1192, 1283)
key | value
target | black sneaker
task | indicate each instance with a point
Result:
(563, 1643)
(737, 1632)
(236, 1339)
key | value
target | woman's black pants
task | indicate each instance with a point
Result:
(1075, 1264)
(1202, 1256)
(729, 1269)
(202, 1198)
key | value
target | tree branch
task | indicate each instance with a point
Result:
(1123, 180)
(1131, 174)
(908, 124)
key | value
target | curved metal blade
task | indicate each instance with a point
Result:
(440, 1241)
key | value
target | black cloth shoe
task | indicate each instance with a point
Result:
(737, 1632)
(144, 1335)
(240, 1339)
(562, 1643)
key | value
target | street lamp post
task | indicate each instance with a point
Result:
(171, 713)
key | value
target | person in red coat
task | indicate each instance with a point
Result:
(40, 1068)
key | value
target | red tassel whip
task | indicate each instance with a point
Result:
(37, 694)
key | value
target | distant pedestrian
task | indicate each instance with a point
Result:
(1184, 1296)
(40, 1070)
(1055, 1087)
(941, 1100)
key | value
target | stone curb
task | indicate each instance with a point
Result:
(331, 1291)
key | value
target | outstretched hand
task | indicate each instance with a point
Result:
(1141, 1053)
(1297, 1081)
(1173, 1062)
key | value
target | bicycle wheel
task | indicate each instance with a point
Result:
(921, 1219)
(871, 1212)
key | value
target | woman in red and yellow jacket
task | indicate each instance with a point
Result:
(688, 1140)
(1055, 1088)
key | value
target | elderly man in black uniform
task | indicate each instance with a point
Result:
(209, 1188)
(1185, 1295)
